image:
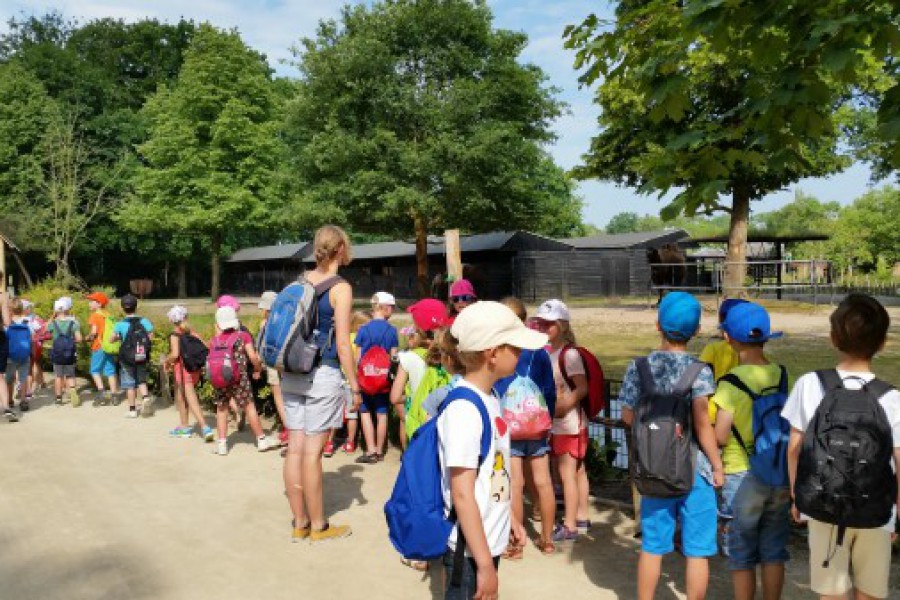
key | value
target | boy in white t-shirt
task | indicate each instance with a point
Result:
(489, 338)
(859, 328)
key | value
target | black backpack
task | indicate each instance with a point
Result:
(193, 352)
(63, 351)
(844, 476)
(663, 455)
(136, 346)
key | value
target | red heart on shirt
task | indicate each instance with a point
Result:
(501, 426)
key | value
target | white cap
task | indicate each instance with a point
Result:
(553, 310)
(63, 304)
(226, 318)
(266, 300)
(177, 313)
(486, 325)
(384, 298)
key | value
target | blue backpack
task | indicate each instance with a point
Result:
(18, 336)
(418, 527)
(63, 351)
(771, 431)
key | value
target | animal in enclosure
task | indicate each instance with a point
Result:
(666, 266)
(440, 288)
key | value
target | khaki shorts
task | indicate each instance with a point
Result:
(314, 403)
(868, 550)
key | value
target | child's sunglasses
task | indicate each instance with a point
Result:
(463, 298)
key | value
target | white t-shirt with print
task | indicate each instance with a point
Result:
(807, 394)
(414, 366)
(459, 429)
(575, 420)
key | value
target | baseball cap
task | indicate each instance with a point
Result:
(62, 304)
(266, 300)
(98, 297)
(384, 298)
(727, 305)
(553, 310)
(227, 300)
(129, 302)
(486, 325)
(749, 322)
(679, 316)
(226, 318)
(429, 314)
(463, 287)
(177, 313)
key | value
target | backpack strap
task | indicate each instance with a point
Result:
(562, 364)
(645, 374)
(743, 387)
(685, 383)
(877, 388)
(324, 286)
(830, 380)
(71, 329)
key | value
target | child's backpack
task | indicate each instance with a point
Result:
(771, 431)
(38, 337)
(107, 344)
(135, 348)
(525, 409)
(222, 364)
(374, 371)
(417, 523)
(288, 343)
(63, 351)
(193, 352)
(435, 378)
(18, 336)
(595, 401)
(844, 475)
(663, 457)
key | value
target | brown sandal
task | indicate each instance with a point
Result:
(514, 552)
(546, 547)
(418, 565)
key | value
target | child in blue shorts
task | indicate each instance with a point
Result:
(377, 332)
(678, 321)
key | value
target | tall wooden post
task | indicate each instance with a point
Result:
(2, 265)
(454, 255)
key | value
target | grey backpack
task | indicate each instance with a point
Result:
(663, 454)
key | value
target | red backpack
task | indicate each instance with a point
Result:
(222, 363)
(373, 372)
(595, 401)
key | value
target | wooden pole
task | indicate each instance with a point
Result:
(454, 255)
(2, 265)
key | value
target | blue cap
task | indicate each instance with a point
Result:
(748, 323)
(727, 305)
(679, 316)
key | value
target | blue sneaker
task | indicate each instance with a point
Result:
(181, 432)
(209, 434)
(562, 534)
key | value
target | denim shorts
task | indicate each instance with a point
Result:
(22, 369)
(529, 448)
(469, 581)
(133, 376)
(695, 510)
(377, 404)
(758, 521)
(102, 364)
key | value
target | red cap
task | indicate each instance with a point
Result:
(99, 297)
(429, 314)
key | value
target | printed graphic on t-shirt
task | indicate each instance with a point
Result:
(500, 480)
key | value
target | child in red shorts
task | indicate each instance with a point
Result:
(186, 382)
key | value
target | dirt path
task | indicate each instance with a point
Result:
(97, 506)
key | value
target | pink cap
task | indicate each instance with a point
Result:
(429, 314)
(463, 287)
(229, 301)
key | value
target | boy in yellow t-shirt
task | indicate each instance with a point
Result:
(758, 513)
(719, 354)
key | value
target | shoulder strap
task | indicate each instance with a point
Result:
(71, 328)
(562, 364)
(645, 374)
(830, 379)
(877, 388)
(324, 286)
(462, 392)
(739, 384)
(686, 381)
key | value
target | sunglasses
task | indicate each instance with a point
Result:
(463, 298)
(541, 325)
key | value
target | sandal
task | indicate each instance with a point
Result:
(367, 459)
(546, 547)
(418, 565)
(514, 552)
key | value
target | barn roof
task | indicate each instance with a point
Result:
(9, 242)
(639, 239)
(277, 252)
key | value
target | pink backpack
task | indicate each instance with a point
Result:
(222, 364)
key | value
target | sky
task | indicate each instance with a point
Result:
(273, 26)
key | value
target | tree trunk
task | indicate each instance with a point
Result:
(736, 258)
(216, 249)
(422, 256)
(182, 279)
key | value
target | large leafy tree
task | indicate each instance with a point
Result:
(209, 161)
(415, 116)
(684, 114)
(866, 234)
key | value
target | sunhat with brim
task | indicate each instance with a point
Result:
(226, 318)
(486, 325)
(463, 287)
(749, 323)
(229, 301)
(177, 314)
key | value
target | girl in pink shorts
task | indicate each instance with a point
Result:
(186, 382)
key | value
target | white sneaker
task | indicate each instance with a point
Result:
(147, 407)
(263, 444)
(221, 448)
(131, 414)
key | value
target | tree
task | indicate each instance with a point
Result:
(866, 232)
(624, 222)
(679, 113)
(209, 161)
(415, 116)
